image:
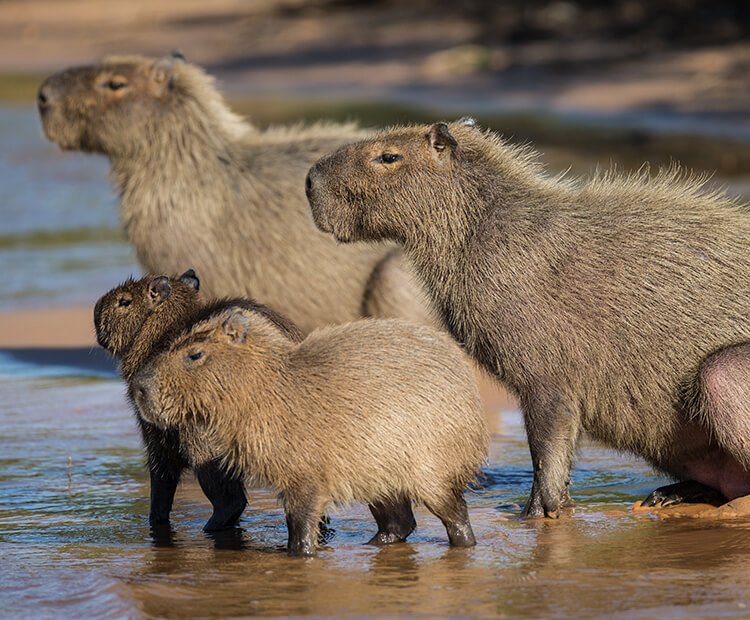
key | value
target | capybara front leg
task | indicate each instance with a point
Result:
(226, 494)
(395, 521)
(552, 433)
(165, 465)
(303, 522)
(454, 514)
(688, 491)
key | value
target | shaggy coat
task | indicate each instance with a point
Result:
(135, 321)
(201, 187)
(616, 305)
(380, 412)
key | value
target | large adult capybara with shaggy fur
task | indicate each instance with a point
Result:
(135, 321)
(616, 306)
(201, 187)
(376, 411)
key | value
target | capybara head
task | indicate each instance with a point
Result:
(374, 188)
(118, 106)
(122, 313)
(211, 367)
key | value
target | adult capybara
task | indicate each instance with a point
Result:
(376, 411)
(616, 306)
(135, 321)
(200, 186)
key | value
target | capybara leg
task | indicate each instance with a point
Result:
(552, 433)
(724, 399)
(395, 521)
(452, 511)
(165, 464)
(226, 494)
(688, 491)
(394, 291)
(303, 522)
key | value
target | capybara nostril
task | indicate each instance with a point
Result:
(308, 185)
(43, 97)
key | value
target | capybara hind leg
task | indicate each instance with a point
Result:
(226, 494)
(687, 491)
(303, 522)
(454, 514)
(395, 521)
(394, 291)
(724, 399)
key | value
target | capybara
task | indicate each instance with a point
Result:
(136, 320)
(616, 305)
(377, 411)
(200, 186)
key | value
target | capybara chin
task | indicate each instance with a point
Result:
(200, 186)
(136, 320)
(617, 305)
(380, 412)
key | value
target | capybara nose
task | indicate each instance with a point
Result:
(308, 185)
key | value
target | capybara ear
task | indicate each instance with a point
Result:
(158, 290)
(191, 279)
(236, 326)
(467, 121)
(162, 71)
(441, 139)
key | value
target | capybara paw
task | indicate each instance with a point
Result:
(224, 519)
(688, 491)
(386, 538)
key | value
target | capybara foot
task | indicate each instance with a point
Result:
(395, 521)
(686, 492)
(225, 517)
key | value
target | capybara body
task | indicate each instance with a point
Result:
(136, 320)
(616, 306)
(199, 186)
(376, 411)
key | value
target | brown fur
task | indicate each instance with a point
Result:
(201, 187)
(380, 412)
(596, 302)
(135, 321)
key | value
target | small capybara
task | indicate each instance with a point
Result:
(616, 305)
(376, 411)
(136, 320)
(200, 186)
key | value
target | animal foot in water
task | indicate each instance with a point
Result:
(686, 492)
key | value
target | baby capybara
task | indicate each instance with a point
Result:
(136, 320)
(616, 306)
(379, 412)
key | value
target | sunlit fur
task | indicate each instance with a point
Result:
(595, 301)
(200, 187)
(364, 412)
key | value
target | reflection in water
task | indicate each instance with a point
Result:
(90, 551)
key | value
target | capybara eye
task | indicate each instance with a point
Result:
(114, 84)
(123, 302)
(389, 158)
(195, 355)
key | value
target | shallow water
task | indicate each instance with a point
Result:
(75, 541)
(74, 535)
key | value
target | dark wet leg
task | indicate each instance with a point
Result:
(226, 494)
(303, 522)
(395, 521)
(452, 511)
(688, 491)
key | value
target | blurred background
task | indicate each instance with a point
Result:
(589, 83)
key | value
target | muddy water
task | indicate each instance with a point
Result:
(75, 541)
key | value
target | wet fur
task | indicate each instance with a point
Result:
(616, 305)
(141, 329)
